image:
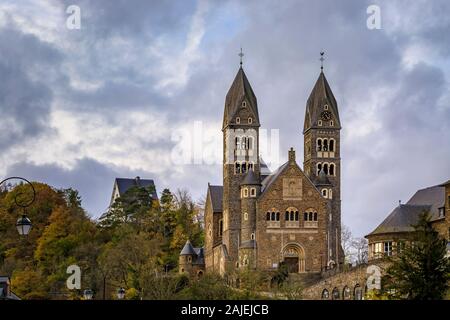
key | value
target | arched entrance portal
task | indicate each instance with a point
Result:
(294, 258)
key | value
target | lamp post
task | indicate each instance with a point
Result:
(88, 294)
(23, 224)
(121, 294)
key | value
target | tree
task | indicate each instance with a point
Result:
(421, 271)
(360, 245)
(346, 240)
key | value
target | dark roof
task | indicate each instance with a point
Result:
(322, 179)
(239, 90)
(433, 196)
(123, 184)
(200, 256)
(188, 249)
(273, 177)
(264, 169)
(216, 194)
(320, 95)
(251, 179)
(401, 219)
(445, 183)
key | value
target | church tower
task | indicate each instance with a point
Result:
(322, 157)
(240, 155)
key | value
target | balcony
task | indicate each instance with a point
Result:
(310, 224)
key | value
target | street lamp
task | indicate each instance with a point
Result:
(88, 294)
(23, 224)
(121, 293)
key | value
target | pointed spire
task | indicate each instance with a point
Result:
(188, 249)
(240, 91)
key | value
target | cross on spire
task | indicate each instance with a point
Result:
(241, 55)
(321, 60)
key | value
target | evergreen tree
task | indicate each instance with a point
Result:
(421, 271)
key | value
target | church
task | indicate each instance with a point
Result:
(260, 219)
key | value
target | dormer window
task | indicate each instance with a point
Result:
(319, 123)
(238, 120)
(250, 120)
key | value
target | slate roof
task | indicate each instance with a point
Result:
(250, 179)
(401, 219)
(264, 169)
(123, 184)
(239, 90)
(216, 193)
(188, 249)
(404, 216)
(320, 95)
(273, 177)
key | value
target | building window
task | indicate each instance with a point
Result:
(238, 120)
(252, 236)
(330, 194)
(325, 144)
(331, 123)
(325, 193)
(245, 193)
(325, 168)
(319, 144)
(325, 107)
(245, 216)
(310, 216)
(237, 143)
(268, 216)
(250, 120)
(319, 168)
(388, 248)
(335, 294)
(237, 167)
(244, 104)
(319, 123)
(273, 216)
(346, 293)
(189, 259)
(325, 294)
(331, 144)
(220, 227)
(331, 171)
(253, 192)
(244, 167)
(249, 143)
(250, 166)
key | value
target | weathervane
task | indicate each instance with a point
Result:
(321, 60)
(241, 55)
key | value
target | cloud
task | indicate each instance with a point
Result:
(84, 106)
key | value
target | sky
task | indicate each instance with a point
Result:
(139, 89)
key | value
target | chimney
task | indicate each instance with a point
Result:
(292, 155)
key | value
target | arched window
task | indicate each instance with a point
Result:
(286, 216)
(346, 294)
(245, 216)
(252, 236)
(319, 167)
(237, 167)
(296, 215)
(325, 193)
(244, 104)
(237, 143)
(325, 168)
(315, 216)
(250, 120)
(244, 167)
(238, 120)
(325, 294)
(335, 294)
(292, 216)
(319, 123)
(244, 143)
(325, 144)
(357, 292)
(250, 143)
(331, 145)
(245, 192)
(253, 192)
(325, 107)
(278, 216)
(268, 216)
(331, 123)
(273, 216)
(250, 166)
(319, 144)
(310, 216)
(305, 216)
(330, 194)
(331, 169)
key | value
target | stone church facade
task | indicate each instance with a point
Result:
(260, 219)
